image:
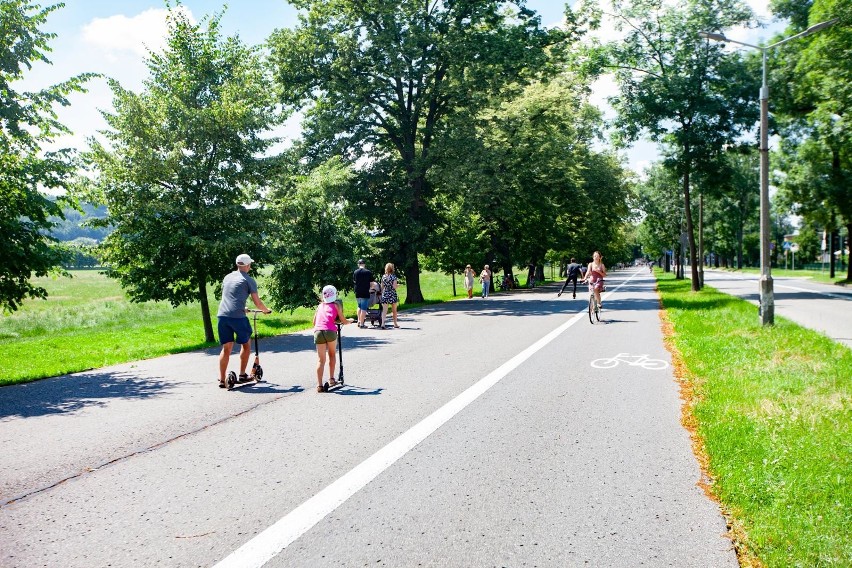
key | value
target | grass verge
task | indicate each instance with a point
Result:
(87, 322)
(773, 410)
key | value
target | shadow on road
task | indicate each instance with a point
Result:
(69, 394)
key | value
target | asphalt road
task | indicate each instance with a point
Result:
(823, 307)
(498, 432)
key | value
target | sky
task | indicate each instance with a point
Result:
(112, 37)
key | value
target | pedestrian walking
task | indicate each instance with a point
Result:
(485, 278)
(362, 278)
(469, 276)
(389, 297)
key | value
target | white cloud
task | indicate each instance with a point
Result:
(137, 34)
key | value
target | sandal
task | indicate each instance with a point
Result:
(320, 388)
(223, 384)
(332, 383)
(243, 378)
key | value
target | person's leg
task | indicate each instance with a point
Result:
(332, 360)
(245, 353)
(224, 355)
(384, 314)
(320, 363)
(393, 307)
(575, 288)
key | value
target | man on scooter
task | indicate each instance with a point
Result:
(233, 322)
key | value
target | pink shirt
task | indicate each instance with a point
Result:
(325, 317)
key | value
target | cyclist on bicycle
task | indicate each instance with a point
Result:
(595, 274)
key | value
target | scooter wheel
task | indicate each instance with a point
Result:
(232, 379)
(258, 373)
(325, 387)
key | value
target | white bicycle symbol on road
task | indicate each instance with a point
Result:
(633, 360)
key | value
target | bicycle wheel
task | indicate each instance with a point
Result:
(597, 313)
(592, 308)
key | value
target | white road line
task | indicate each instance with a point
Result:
(266, 545)
(749, 278)
(841, 296)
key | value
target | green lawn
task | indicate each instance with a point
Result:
(774, 409)
(88, 322)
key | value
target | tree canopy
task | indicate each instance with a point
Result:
(182, 166)
(28, 123)
(382, 78)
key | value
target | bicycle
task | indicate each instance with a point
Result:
(594, 309)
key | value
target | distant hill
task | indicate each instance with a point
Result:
(72, 227)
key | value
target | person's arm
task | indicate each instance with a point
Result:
(603, 269)
(260, 305)
(340, 317)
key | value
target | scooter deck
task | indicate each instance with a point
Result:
(328, 388)
(240, 384)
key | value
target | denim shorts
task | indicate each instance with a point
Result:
(363, 303)
(229, 327)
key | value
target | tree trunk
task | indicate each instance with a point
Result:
(740, 246)
(849, 258)
(690, 235)
(701, 240)
(205, 307)
(413, 293)
(832, 237)
(454, 283)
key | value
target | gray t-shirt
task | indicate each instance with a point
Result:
(236, 288)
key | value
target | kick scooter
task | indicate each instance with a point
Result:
(256, 375)
(326, 387)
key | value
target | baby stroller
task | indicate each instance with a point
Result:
(374, 310)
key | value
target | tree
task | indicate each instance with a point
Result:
(817, 149)
(525, 167)
(659, 201)
(682, 91)
(27, 124)
(182, 166)
(733, 202)
(383, 77)
(313, 239)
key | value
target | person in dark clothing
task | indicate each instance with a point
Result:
(573, 271)
(362, 278)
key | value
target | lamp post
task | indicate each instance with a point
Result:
(767, 295)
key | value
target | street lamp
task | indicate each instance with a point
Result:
(767, 296)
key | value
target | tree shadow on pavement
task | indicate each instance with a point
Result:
(72, 393)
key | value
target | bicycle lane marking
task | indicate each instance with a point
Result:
(643, 361)
(270, 542)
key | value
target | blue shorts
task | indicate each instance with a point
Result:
(363, 303)
(229, 327)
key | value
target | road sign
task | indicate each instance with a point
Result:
(794, 247)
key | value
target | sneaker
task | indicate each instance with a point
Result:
(574, 296)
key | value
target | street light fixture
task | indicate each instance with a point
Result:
(767, 295)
